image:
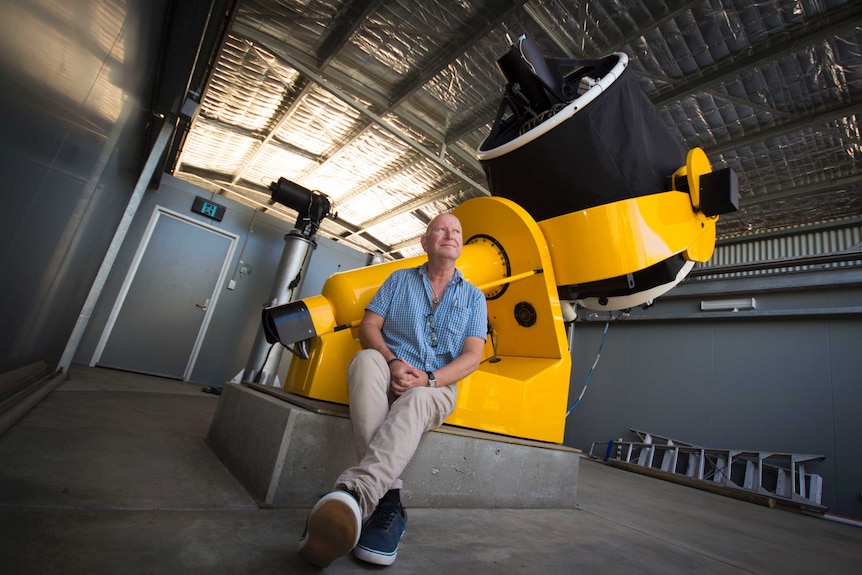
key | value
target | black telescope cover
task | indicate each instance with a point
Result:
(615, 148)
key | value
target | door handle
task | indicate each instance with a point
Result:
(205, 305)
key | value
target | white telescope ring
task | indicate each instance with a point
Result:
(570, 110)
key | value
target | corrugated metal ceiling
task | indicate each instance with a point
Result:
(381, 104)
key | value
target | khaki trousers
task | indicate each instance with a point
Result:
(386, 429)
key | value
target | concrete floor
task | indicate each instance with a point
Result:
(110, 474)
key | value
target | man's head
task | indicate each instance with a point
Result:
(442, 239)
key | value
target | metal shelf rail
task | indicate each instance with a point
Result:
(779, 476)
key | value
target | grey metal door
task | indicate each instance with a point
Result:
(159, 324)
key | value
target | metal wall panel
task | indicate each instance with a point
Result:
(784, 385)
(801, 242)
(76, 84)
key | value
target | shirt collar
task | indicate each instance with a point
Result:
(457, 278)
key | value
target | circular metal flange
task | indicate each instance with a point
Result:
(525, 314)
(498, 291)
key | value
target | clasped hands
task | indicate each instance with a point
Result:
(404, 376)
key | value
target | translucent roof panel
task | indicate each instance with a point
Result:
(244, 90)
(201, 152)
(272, 163)
(382, 105)
(319, 122)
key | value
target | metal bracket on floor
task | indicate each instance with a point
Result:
(770, 478)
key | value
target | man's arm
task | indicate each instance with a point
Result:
(403, 376)
(463, 365)
(371, 334)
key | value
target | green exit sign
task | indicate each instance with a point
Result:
(209, 209)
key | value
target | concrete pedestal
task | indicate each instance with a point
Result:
(288, 455)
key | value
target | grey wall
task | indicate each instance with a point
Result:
(73, 137)
(76, 86)
(236, 316)
(786, 377)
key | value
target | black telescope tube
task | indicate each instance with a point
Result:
(291, 194)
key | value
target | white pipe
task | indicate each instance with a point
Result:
(844, 520)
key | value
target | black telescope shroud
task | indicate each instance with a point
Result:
(616, 147)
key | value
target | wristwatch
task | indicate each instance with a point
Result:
(432, 381)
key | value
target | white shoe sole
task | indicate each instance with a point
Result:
(374, 557)
(333, 529)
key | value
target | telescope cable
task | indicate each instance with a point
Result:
(595, 363)
(265, 359)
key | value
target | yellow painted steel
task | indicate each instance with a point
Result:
(521, 387)
(524, 393)
(702, 248)
(696, 164)
(322, 313)
(323, 375)
(623, 237)
(346, 294)
(518, 396)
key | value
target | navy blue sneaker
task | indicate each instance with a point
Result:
(381, 534)
(332, 528)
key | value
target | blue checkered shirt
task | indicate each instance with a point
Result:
(425, 337)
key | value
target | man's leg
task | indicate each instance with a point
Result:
(386, 438)
(396, 440)
(375, 479)
(368, 390)
(334, 524)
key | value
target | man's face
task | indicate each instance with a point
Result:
(443, 237)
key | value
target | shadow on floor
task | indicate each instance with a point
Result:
(111, 474)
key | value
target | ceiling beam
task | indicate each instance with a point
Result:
(544, 20)
(799, 191)
(282, 212)
(391, 170)
(743, 102)
(351, 101)
(546, 23)
(814, 120)
(410, 242)
(481, 116)
(245, 133)
(408, 207)
(816, 29)
(349, 20)
(334, 78)
(305, 66)
(823, 27)
(674, 10)
(287, 115)
(354, 14)
(289, 54)
(475, 29)
(360, 128)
